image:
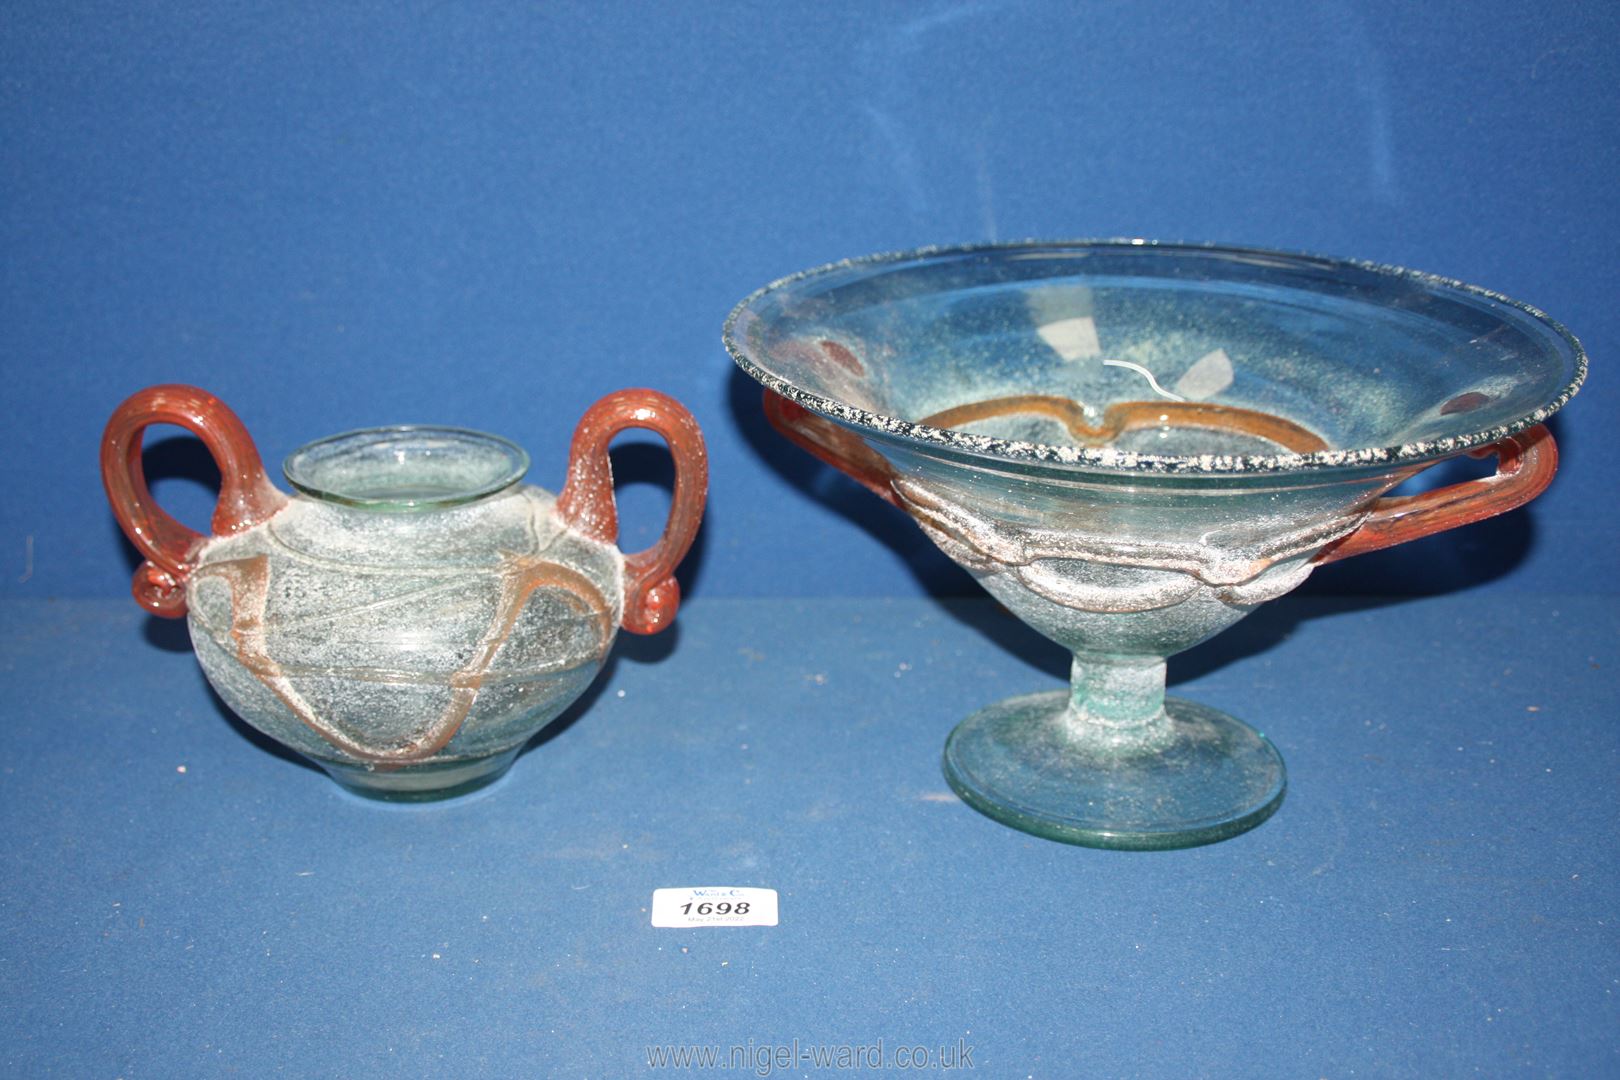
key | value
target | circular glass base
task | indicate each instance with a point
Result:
(421, 783)
(1206, 776)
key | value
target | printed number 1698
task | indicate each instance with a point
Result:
(724, 907)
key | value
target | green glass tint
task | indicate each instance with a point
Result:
(406, 468)
(1132, 446)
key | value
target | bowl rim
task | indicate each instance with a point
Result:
(1113, 460)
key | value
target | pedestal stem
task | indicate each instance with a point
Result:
(1117, 700)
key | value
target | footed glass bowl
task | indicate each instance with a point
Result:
(1133, 445)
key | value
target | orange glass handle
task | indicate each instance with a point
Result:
(1525, 464)
(826, 441)
(651, 594)
(246, 496)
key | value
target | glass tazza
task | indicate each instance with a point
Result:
(1132, 445)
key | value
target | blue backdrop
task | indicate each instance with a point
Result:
(337, 215)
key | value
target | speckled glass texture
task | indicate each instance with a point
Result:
(406, 467)
(1132, 446)
(413, 585)
(1383, 364)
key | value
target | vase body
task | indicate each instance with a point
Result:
(357, 637)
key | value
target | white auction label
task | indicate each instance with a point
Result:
(714, 905)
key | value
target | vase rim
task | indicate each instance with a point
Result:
(406, 467)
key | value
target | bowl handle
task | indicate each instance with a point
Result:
(827, 441)
(1525, 464)
(246, 496)
(651, 593)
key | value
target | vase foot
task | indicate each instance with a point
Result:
(1018, 762)
(421, 783)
